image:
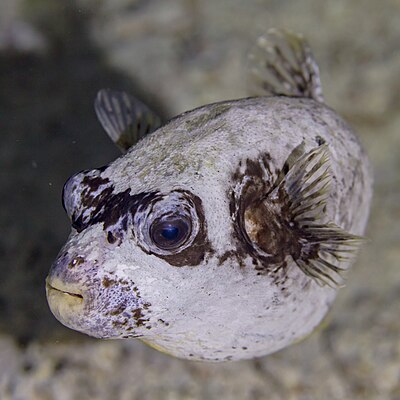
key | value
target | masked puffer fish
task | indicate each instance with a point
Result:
(223, 234)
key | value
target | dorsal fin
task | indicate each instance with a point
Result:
(125, 119)
(281, 64)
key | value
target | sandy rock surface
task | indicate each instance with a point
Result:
(176, 55)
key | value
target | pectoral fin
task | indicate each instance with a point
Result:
(303, 192)
(125, 119)
(287, 218)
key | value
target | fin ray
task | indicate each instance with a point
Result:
(304, 191)
(281, 64)
(125, 119)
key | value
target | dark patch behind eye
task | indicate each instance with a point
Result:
(258, 186)
(272, 234)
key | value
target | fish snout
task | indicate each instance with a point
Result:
(84, 297)
(67, 294)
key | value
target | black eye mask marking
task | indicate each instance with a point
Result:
(90, 199)
(171, 226)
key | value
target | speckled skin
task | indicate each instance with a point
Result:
(222, 308)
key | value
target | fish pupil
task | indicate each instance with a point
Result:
(170, 232)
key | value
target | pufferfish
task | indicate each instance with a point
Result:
(225, 233)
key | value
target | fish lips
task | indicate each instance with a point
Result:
(69, 299)
(100, 305)
(66, 303)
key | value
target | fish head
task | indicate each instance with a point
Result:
(141, 260)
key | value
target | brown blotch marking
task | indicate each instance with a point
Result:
(138, 315)
(75, 262)
(118, 310)
(120, 324)
(270, 230)
(255, 189)
(107, 282)
(137, 292)
(226, 256)
(230, 255)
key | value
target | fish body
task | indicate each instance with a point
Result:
(222, 235)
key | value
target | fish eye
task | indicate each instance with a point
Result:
(168, 225)
(170, 232)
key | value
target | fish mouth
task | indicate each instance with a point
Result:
(60, 289)
(66, 302)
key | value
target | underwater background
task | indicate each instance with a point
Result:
(176, 55)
